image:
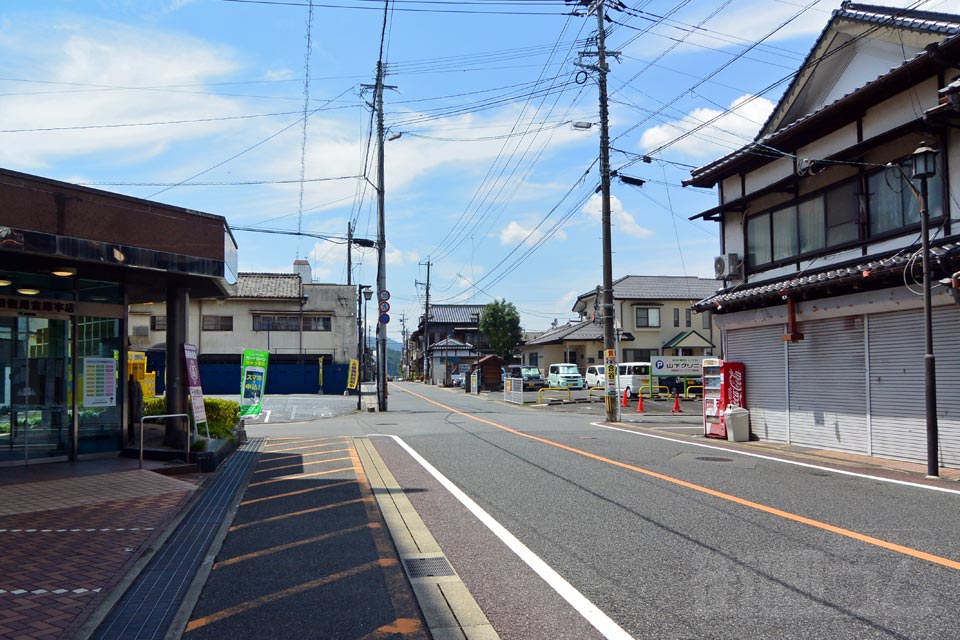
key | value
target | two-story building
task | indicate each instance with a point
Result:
(460, 322)
(303, 325)
(821, 241)
(653, 316)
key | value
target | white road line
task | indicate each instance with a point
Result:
(591, 613)
(293, 412)
(783, 460)
(266, 416)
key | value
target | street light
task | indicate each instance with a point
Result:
(924, 167)
(364, 293)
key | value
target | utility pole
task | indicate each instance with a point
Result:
(606, 309)
(426, 325)
(378, 88)
(349, 250)
(404, 367)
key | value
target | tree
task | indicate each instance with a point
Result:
(500, 323)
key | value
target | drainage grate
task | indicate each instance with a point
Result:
(714, 459)
(428, 567)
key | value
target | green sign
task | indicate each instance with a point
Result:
(253, 380)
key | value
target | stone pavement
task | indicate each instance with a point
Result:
(70, 532)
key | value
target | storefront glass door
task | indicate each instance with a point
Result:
(36, 413)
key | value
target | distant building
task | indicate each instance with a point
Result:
(459, 322)
(298, 322)
(653, 316)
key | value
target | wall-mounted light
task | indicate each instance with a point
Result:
(64, 272)
(28, 292)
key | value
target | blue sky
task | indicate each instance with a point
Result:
(200, 103)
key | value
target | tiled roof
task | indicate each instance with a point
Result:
(585, 330)
(456, 313)
(268, 285)
(928, 21)
(664, 288)
(452, 344)
(886, 270)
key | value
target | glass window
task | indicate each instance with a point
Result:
(316, 323)
(217, 323)
(705, 315)
(758, 240)
(843, 214)
(276, 323)
(647, 317)
(784, 233)
(676, 317)
(893, 204)
(158, 323)
(812, 225)
(689, 318)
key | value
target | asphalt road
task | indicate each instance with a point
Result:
(579, 531)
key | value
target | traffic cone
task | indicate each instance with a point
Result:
(640, 403)
(623, 401)
(676, 404)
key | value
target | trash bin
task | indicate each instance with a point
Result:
(737, 420)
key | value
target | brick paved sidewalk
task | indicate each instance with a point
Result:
(67, 542)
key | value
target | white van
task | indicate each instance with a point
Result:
(565, 375)
(633, 376)
(596, 376)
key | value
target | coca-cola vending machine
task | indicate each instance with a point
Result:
(723, 387)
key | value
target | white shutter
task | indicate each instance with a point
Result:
(761, 351)
(897, 384)
(827, 377)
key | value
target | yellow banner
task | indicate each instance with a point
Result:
(353, 376)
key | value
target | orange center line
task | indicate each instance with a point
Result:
(292, 545)
(285, 593)
(296, 493)
(884, 544)
(295, 514)
(301, 475)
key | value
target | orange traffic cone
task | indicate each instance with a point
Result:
(623, 401)
(676, 404)
(640, 403)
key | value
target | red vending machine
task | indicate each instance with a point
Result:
(723, 387)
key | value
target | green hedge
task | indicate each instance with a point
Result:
(222, 415)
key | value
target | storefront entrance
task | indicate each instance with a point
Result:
(36, 409)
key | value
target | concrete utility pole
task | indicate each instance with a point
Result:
(606, 306)
(349, 250)
(426, 326)
(378, 88)
(404, 366)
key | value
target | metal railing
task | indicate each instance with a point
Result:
(169, 415)
(651, 387)
(686, 392)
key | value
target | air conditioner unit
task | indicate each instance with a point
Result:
(727, 266)
(141, 331)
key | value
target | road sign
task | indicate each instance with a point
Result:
(384, 295)
(384, 318)
(384, 307)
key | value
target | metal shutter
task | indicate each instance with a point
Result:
(827, 374)
(760, 349)
(897, 384)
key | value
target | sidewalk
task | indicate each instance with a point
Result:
(71, 532)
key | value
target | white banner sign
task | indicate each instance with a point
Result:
(676, 365)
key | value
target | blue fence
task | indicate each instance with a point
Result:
(282, 378)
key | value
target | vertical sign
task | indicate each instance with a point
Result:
(193, 384)
(610, 365)
(353, 375)
(99, 382)
(253, 379)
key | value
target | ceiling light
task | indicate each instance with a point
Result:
(5, 283)
(64, 272)
(28, 292)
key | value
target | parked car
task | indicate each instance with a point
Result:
(633, 376)
(596, 376)
(565, 374)
(532, 376)
(457, 379)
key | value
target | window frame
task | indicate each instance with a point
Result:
(646, 310)
(216, 323)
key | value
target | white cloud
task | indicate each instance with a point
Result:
(731, 130)
(515, 233)
(399, 257)
(620, 220)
